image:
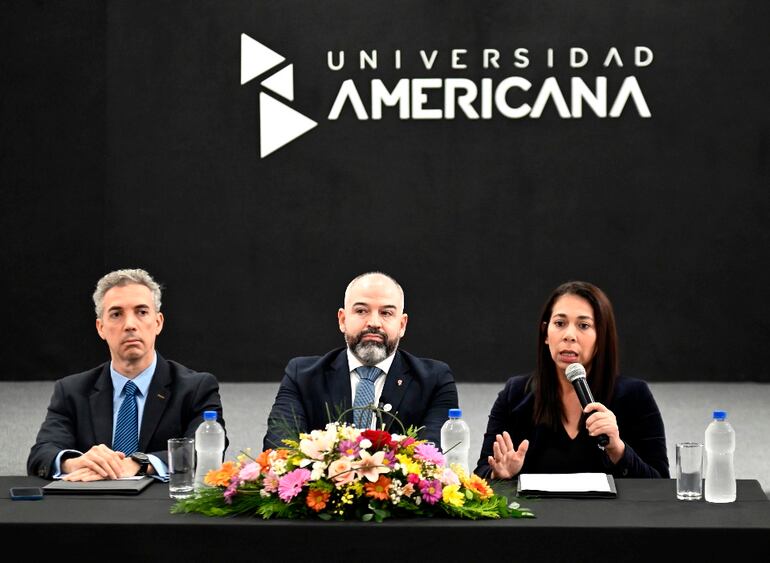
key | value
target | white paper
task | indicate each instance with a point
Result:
(132, 478)
(564, 482)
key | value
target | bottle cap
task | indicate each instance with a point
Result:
(209, 415)
(455, 413)
(720, 415)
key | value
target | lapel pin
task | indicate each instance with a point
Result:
(399, 382)
(161, 396)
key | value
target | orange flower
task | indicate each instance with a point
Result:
(316, 499)
(378, 489)
(262, 459)
(221, 477)
(478, 486)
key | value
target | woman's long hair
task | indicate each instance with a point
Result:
(603, 369)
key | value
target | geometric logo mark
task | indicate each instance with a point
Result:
(256, 59)
(279, 124)
(282, 82)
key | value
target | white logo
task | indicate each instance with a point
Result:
(279, 123)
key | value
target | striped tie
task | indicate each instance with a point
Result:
(362, 417)
(127, 427)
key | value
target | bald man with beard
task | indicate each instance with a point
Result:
(315, 390)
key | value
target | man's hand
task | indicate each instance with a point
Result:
(99, 462)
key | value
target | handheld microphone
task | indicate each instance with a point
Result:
(576, 374)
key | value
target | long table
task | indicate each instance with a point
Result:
(644, 523)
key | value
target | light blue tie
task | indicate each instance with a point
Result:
(127, 426)
(362, 418)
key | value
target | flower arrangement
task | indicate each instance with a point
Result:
(341, 473)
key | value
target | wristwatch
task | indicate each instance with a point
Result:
(143, 460)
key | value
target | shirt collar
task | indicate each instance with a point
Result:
(354, 363)
(142, 381)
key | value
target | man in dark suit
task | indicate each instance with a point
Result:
(83, 428)
(318, 389)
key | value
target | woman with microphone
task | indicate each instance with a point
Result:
(593, 421)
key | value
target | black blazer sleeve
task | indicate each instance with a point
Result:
(438, 394)
(79, 414)
(287, 416)
(511, 411)
(641, 428)
(58, 432)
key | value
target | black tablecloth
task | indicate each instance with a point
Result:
(644, 523)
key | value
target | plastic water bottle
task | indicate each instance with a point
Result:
(456, 440)
(720, 471)
(209, 446)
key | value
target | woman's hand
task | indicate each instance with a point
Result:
(601, 420)
(506, 460)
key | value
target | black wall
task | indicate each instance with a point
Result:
(128, 141)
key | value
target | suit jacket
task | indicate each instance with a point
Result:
(637, 414)
(80, 412)
(316, 389)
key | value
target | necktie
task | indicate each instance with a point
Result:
(127, 426)
(362, 418)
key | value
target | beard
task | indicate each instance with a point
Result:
(369, 352)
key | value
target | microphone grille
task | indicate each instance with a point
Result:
(574, 371)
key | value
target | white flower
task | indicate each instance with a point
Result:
(395, 491)
(319, 442)
(279, 466)
(365, 444)
(319, 469)
(348, 432)
(305, 462)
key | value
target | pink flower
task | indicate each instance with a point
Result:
(371, 465)
(250, 472)
(231, 491)
(348, 448)
(408, 441)
(270, 484)
(449, 477)
(429, 452)
(431, 490)
(413, 478)
(341, 471)
(290, 485)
